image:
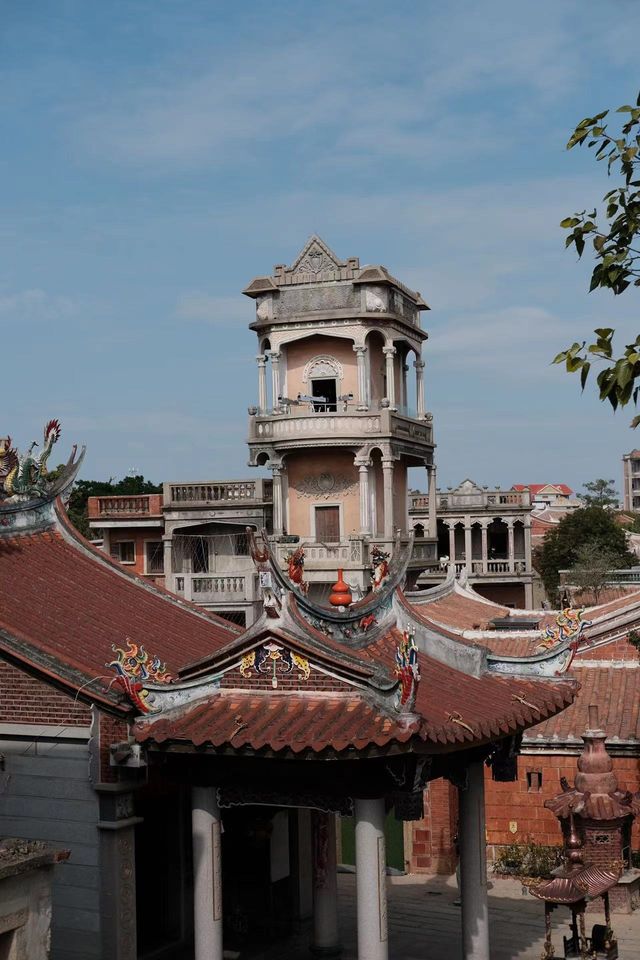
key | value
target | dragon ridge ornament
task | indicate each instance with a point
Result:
(24, 476)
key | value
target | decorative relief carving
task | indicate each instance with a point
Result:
(263, 311)
(375, 300)
(325, 485)
(322, 366)
(315, 262)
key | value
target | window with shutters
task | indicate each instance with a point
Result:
(328, 524)
(154, 556)
(124, 551)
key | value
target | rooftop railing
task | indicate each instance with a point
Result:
(484, 499)
(141, 505)
(223, 492)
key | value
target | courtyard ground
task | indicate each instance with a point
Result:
(424, 924)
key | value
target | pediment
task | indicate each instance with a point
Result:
(468, 487)
(315, 258)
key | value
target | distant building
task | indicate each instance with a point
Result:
(485, 535)
(548, 494)
(631, 480)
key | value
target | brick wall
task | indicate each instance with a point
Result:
(24, 699)
(433, 849)
(112, 730)
(523, 806)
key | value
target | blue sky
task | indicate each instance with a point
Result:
(157, 155)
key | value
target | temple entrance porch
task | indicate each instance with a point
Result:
(243, 870)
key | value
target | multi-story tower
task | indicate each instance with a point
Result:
(339, 420)
(631, 480)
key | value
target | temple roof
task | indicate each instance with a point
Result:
(64, 604)
(583, 884)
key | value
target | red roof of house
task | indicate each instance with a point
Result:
(64, 604)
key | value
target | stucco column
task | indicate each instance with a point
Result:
(387, 484)
(275, 377)
(278, 512)
(361, 363)
(467, 545)
(207, 874)
(485, 548)
(262, 383)
(363, 469)
(452, 543)
(419, 366)
(169, 579)
(511, 546)
(432, 524)
(371, 886)
(389, 353)
(326, 939)
(527, 547)
(473, 866)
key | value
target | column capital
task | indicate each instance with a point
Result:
(388, 463)
(359, 348)
(362, 464)
(261, 360)
(274, 355)
(419, 364)
(389, 351)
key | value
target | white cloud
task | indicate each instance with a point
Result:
(35, 306)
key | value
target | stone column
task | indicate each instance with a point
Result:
(275, 377)
(371, 886)
(485, 548)
(116, 828)
(468, 550)
(106, 541)
(169, 579)
(262, 383)
(361, 361)
(473, 866)
(326, 939)
(363, 469)
(278, 512)
(527, 547)
(387, 481)
(207, 874)
(432, 524)
(452, 543)
(389, 353)
(511, 546)
(403, 387)
(419, 365)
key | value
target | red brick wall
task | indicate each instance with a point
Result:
(112, 730)
(506, 802)
(24, 699)
(139, 536)
(433, 848)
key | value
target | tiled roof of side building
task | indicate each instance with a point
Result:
(535, 488)
(616, 690)
(65, 604)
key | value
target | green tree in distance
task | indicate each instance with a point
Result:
(615, 237)
(600, 493)
(561, 546)
(591, 570)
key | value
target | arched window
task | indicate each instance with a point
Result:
(324, 375)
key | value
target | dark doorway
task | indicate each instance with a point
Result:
(326, 392)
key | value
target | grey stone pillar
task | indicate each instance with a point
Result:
(278, 512)
(527, 547)
(363, 469)
(361, 361)
(473, 866)
(485, 548)
(432, 524)
(452, 543)
(512, 552)
(389, 353)
(117, 871)
(468, 549)
(371, 880)
(275, 377)
(419, 366)
(326, 939)
(106, 541)
(262, 383)
(387, 483)
(207, 874)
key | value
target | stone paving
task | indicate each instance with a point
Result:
(424, 924)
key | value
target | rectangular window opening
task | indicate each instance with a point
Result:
(154, 556)
(326, 391)
(124, 551)
(534, 780)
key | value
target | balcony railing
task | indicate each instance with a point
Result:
(143, 505)
(223, 492)
(293, 423)
(490, 568)
(222, 589)
(459, 501)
